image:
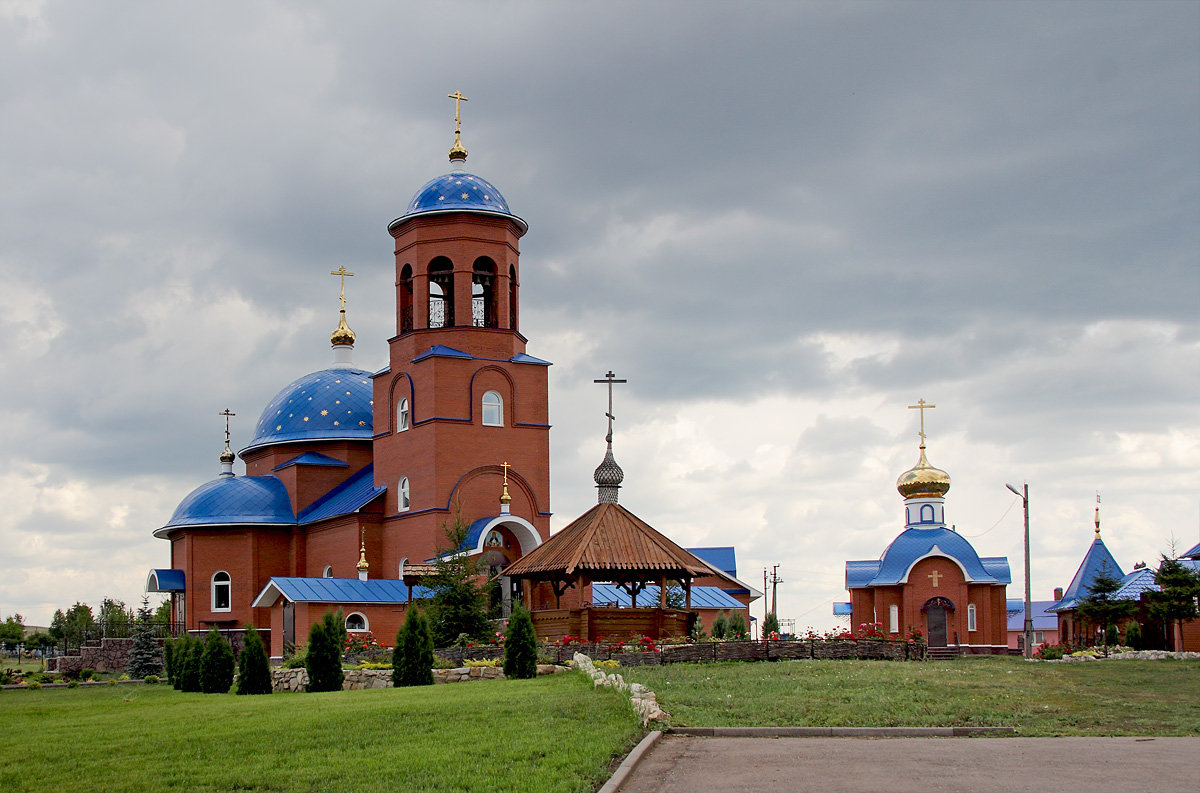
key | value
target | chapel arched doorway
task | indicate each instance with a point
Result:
(937, 616)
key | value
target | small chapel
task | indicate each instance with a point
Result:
(352, 476)
(930, 579)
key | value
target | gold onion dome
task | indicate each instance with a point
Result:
(342, 334)
(227, 456)
(923, 480)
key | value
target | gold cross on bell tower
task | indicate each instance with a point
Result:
(921, 406)
(458, 151)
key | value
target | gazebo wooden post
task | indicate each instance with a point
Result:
(687, 593)
(662, 591)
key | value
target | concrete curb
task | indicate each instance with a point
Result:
(630, 762)
(839, 732)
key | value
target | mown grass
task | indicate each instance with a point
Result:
(1096, 698)
(555, 733)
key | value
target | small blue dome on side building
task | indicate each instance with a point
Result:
(332, 404)
(233, 500)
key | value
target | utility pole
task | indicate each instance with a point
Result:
(775, 582)
(1024, 496)
(765, 604)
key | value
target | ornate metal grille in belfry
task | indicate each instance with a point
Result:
(437, 312)
(482, 314)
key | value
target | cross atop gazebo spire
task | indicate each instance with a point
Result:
(608, 475)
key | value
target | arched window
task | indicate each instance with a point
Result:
(221, 588)
(493, 409)
(406, 299)
(971, 617)
(402, 494)
(356, 622)
(893, 618)
(328, 571)
(402, 415)
(483, 293)
(512, 297)
(441, 293)
(927, 513)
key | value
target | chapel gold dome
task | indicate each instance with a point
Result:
(342, 334)
(923, 480)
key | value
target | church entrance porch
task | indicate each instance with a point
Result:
(936, 619)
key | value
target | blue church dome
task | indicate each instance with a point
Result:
(332, 404)
(233, 500)
(913, 545)
(458, 190)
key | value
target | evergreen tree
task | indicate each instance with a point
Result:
(459, 606)
(1100, 608)
(737, 625)
(12, 632)
(216, 664)
(1133, 636)
(770, 625)
(187, 659)
(412, 657)
(520, 646)
(73, 626)
(323, 656)
(1175, 600)
(144, 658)
(254, 670)
(169, 661)
(720, 626)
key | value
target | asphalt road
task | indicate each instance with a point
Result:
(689, 764)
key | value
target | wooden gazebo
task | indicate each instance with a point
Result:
(608, 543)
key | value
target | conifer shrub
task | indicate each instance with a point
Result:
(323, 656)
(216, 664)
(737, 625)
(770, 625)
(187, 657)
(720, 626)
(1133, 636)
(520, 646)
(412, 657)
(168, 659)
(144, 658)
(254, 670)
(1111, 636)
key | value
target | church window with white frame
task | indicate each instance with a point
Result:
(402, 495)
(893, 618)
(356, 622)
(328, 571)
(402, 415)
(493, 409)
(971, 617)
(221, 589)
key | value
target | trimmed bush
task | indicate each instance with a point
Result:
(520, 646)
(737, 625)
(720, 626)
(168, 660)
(87, 673)
(187, 657)
(254, 670)
(770, 625)
(1133, 636)
(323, 656)
(412, 657)
(216, 664)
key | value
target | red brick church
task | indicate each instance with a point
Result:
(930, 578)
(352, 476)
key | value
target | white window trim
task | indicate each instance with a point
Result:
(484, 406)
(403, 495)
(893, 618)
(212, 591)
(366, 623)
(971, 620)
(328, 572)
(402, 410)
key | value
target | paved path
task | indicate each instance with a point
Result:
(688, 764)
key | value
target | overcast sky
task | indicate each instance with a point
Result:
(781, 222)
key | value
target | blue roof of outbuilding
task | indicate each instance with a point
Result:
(842, 609)
(703, 597)
(234, 500)
(1191, 553)
(722, 557)
(914, 544)
(459, 190)
(348, 497)
(341, 590)
(1043, 618)
(1097, 559)
(332, 404)
(312, 458)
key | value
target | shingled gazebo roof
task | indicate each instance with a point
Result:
(608, 543)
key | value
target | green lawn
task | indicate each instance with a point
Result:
(555, 733)
(1095, 698)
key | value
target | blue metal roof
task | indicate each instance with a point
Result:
(1043, 618)
(312, 458)
(914, 544)
(342, 590)
(348, 497)
(703, 597)
(234, 500)
(842, 610)
(459, 190)
(1191, 553)
(1096, 559)
(1142, 580)
(442, 351)
(166, 581)
(721, 557)
(332, 404)
(474, 532)
(524, 358)
(861, 573)
(997, 566)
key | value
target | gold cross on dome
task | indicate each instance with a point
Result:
(921, 406)
(458, 98)
(227, 413)
(506, 465)
(341, 272)
(935, 575)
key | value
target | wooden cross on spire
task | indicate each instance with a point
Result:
(227, 413)
(610, 379)
(341, 272)
(921, 406)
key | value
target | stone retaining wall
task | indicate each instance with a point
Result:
(353, 679)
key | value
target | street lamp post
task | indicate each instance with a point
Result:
(1024, 496)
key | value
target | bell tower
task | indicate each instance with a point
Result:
(460, 395)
